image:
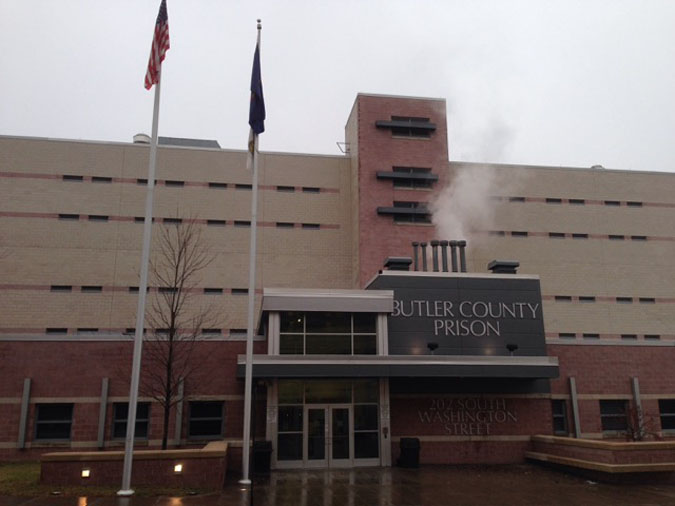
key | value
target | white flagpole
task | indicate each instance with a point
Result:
(140, 313)
(248, 381)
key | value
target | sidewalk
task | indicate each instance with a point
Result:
(522, 485)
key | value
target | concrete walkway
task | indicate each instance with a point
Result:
(521, 485)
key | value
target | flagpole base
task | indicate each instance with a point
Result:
(243, 482)
(125, 493)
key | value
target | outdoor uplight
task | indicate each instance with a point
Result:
(86, 473)
(178, 468)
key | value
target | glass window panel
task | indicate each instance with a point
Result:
(291, 345)
(289, 447)
(614, 423)
(329, 322)
(328, 344)
(53, 421)
(206, 409)
(328, 391)
(120, 416)
(667, 411)
(290, 418)
(365, 322)
(366, 445)
(365, 417)
(290, 392)
(206, 419)
(292, 321)
(613, 407)
(366, 391)
(316, 434)
(365, 345)
(53, 430)
(58, 412)
(205, 428)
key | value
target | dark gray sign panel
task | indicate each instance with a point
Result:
(464, 315)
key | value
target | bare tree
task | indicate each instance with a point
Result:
(175, 320)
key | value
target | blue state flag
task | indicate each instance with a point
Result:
(256, 117)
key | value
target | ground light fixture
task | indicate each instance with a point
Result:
(86, 473)
(432, 347)
(511, 348)
(178, 468)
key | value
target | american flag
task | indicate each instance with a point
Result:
(160, 45)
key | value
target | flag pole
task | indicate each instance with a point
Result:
(140, 313)
(248, 379)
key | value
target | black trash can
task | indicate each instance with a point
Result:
(262, 454)
(410, 452)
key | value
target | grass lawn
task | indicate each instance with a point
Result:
(22, 479)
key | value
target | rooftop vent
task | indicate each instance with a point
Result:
(141, 139)
(503, 267)
(439, 261)
(398, 263)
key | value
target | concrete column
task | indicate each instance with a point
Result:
(271, 418)
(635, 384)
(102, 410)
(23, 420)
(179, 412)
(575, 407)
(382, 335)
(385, 424)
(273, 329)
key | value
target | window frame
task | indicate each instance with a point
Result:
(39, 408)
(667, 415)
(191, 419)
(116, 420)
(613, 416)
(562, 415)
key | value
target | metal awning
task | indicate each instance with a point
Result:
(359, 366)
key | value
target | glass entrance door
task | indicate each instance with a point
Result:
(329, 438)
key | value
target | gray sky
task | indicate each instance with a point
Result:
(572, 83)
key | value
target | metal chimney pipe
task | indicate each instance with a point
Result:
(415, 244)
(444, 255)
(462, 255)
(453, 255)
(424, 256)
(434, 254)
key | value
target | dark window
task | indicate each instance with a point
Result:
(516, 199)
(633, 204)
(311, 226)
(73, 217)
(56, 330)
(174, 221)
(53, 421)
(616, 237)
(563, 298)
(591, 335)
(647, 300)
(586, 298)
(518, 233)
(101, 179)
(638, 237)
(414, 127)
(216, 223)
(556, 235)
(652, 336)
(624, 300)
(285, 188)
(213, 291)
(135, 289)
(92, 289)
(416, 179)
(311, 189)
(242, 223)
(87, 330)
(577, 202)
(167, 289)
(559, 409)
(61, 288)
(567, 335)
(176, 184)
(218, 185)
(240, 186)
(421, 216)
(68, 177)
(553, 201)
(579, 236)
(613, 415)
(500, 233)
(121, 415)
(612, 203)
(144, 182)
(206, 420)
(667, 412)
(284, 224)
(240, 291)
(212, 332)
(98, 217)
(628, 336)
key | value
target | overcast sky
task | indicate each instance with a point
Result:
(564, 83)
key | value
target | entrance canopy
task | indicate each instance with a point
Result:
(331, 366)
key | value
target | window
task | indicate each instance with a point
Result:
(213, 291)
(242, 223)
(563, 298)
(121, 414)
(311, 189)
(591, 335)
(407, 212)
(638, 237)
(53, 421)
(586, 298)
(175, 184)
(311, 226)
(216, 223)
(172, 221)
(284, 224)
(613, 415)
(243, 187)
(616, 237)
(567, 335)
(667, 412)
(212, 332)
(69, 177)
(633, 204)
(647, 300)
(559, 409)
(141, 219)
(556, 235)
(405, 126)
(518, 233)
(101, 179)
(61, 288)
(289, 189)
(91, 289)
(654, 337)
(240, 291)
(220, 186)
(577, 202)
(56, 330)
(624, 300)
(144, 182)
(579, 236)
(206, 420)
(499, 233)
(628, 336)
(324, 333)
(612, 203)
(516, 199)
(553, 201)
(98, 217)
(411, 177)
(73, 217)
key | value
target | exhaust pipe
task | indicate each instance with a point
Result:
(415, 245)
(424, 256)
(444, 255)
(434, 254)
(462, 255)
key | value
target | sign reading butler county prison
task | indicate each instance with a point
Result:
(464, 315)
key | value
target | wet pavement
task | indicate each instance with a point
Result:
(428, 486)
